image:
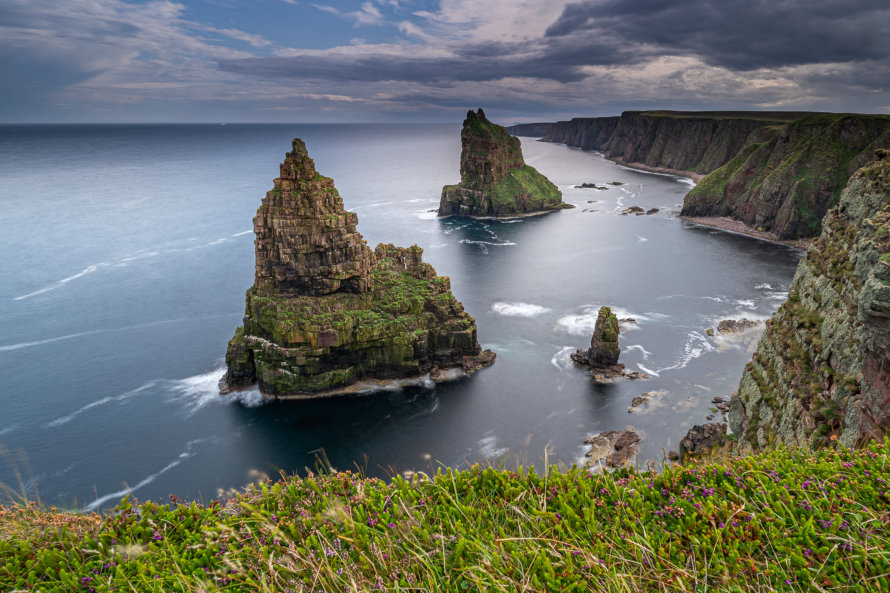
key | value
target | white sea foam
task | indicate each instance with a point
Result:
(8, 429)
(488, 447)
(87, 270)
(696, 345)
(99, 402)
(145, 481)
(200, 390)
(763, 286)
(641, 239)
(585, 322)
(9, 347)
(243, 233)
(746, 303)
(646, 354)
(426, 215)
(473, 242)
(777, 295)
(647, 370)
(562, 359)
(519, 309)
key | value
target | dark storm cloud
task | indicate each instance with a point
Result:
(739, 34)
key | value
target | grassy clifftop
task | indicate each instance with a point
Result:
(781, 521)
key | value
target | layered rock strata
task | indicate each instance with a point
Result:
(494, 179)
(777, 172)
(326, 312)
(822, 367)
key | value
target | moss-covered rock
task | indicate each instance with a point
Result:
(325, 311)
(494, 179)
(822, 368)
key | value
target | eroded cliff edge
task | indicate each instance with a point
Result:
(494, 179)
(822, 367)
(326, 312)
(777, 172)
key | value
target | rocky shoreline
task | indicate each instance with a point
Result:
(731, 225)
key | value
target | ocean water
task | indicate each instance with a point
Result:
(125, 252)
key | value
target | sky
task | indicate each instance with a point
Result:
(82, 61)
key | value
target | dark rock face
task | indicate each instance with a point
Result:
(779, 172)
(494, 179)
(822, 367)
(535, 130)
(786, 183)
(604, 349)
(613, 448)
(701, 439)
(325, 311)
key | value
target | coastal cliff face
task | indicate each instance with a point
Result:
(786, 181)
(325, 311)
(822, 367)
(686, 142)
(494, 179)
(778, 172)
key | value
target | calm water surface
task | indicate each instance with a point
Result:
(125, 252)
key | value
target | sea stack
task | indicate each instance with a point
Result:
(326, 315)
(495, 182)
(602, 356)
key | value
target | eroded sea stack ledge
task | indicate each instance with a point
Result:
(326, 314)
(495, 182)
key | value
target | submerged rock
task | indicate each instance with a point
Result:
(326, 312)
(494, 179)
(732, 326)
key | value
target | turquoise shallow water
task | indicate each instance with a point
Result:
(124, 256)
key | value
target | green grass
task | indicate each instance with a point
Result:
(780, 521)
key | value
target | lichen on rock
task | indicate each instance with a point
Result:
(326, 312)
(494, 179)
(822, 367)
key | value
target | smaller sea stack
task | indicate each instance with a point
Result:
(495, 182)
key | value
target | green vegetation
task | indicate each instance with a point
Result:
(781, 521)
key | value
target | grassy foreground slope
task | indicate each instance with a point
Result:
(779, 521)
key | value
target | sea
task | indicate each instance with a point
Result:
(126, 250)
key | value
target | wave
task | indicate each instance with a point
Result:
(519, 309)
(488, 447)
(763, 286)
(641, 239)
(123, 262)
(777, 295)
(145, 481)
(474, 242)
(426, 215)
(646, 354)
(746, 303)
(647, 370)
(8, 429)
(115, 398)
(584, 323)
(562, 359)
(9, 347)
(696, 345)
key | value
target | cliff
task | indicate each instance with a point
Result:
(535, 130)
(325, 311)
(686, 142)
(778, 172)
(494, 179)
(822, 367)
(786, 181)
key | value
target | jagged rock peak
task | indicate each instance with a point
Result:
(494, 179)
(306, 243)
(604, 349)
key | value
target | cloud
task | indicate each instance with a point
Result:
(367, 14)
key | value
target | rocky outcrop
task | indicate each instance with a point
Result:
(602, 356)
(494, 179)
(786, 182)
(614, 448)
(325, 311)
(701, 440)
(822, 367)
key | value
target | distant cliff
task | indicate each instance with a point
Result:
(535, 130)
(325, 311)
(822, 367)
(494, 179)
(776, 171)
(784, 182)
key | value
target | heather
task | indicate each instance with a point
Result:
(783, 520)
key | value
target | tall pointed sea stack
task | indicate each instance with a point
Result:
(326, 312)
(494, 179)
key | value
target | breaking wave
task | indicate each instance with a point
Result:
(519, 309)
